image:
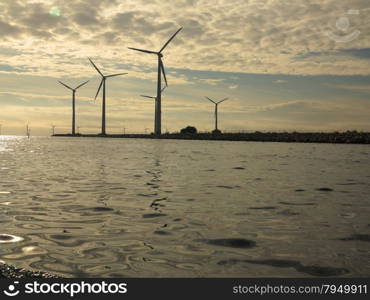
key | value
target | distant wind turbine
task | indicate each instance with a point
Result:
(28, 131)
(52, 129)
(158, 107)
(155, 104)
(102, 83)
(216, 112)
(73, 103)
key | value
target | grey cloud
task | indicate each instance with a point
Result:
(275, 36)
(5, 51)
(138, 22)
(34, 15)
(86, 18)
(295, 107)
(98, 4)
(8, 29)
(9, 68)
(362, 53)
(40, 20)
(192, 28)
(109, 37)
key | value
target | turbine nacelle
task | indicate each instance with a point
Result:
(73, 89)
(216, 103)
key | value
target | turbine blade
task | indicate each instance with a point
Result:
(222, 100)
(169, 41)
(82, 84)
(211, 100)
(142, 50)
(65, 85)
(116, 75)
(97, 93)
(163, 72)
(96, 68)
(150, 97)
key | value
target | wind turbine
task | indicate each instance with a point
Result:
(216, 113)
(73, 103)
(155, 104)
(158, 107)
(52, 129)
(102, 83)
(28, 131)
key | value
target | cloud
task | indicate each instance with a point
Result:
(255, 52)
(7, 29)
(8, 68)
(356, 88)
(280, 37)
(294, 107)
(211, 81)
(363, 53)
(86, 18)
(279, 81)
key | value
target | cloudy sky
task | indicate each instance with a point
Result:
(284, 64)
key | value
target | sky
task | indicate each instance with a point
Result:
(299, 65)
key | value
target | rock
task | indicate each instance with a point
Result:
(10, 272)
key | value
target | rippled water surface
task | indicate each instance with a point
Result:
(94, 207)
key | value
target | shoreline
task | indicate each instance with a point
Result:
(11, 272)
(349, 137)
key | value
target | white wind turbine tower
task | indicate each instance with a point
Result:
(216, 113)
(158, 108)
(102, 83)
(73, 104)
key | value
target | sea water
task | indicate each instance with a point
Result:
(96, 207)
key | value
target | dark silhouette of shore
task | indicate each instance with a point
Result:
(348, 137)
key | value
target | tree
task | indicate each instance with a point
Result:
(189, 130)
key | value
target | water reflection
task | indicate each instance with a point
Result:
(144, 208)
(9, 238)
